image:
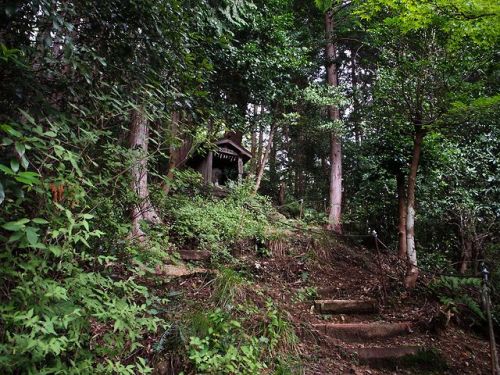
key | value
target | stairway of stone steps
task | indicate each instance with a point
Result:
(364, 336)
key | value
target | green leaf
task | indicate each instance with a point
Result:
(118, 326)
(6, 170)
(2, 193)
(32, 235)
(28, 117)
(84, 241)
(85, 225)
(20, 148)
(10, 130)
(56, 250)
(16, 236)
(28, 178)
(14, 226)
(24, 162)
(14, 165)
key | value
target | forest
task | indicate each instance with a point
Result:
(249, 187)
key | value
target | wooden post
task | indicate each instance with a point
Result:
(240, 169)
(206, 168)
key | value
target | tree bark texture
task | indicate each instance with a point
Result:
(412, 272)
(253, 149)
(273, 172)
(143, 209)
(260, 144)
(469, 241)
(355, 103)
(400, 181)
(300, 181)
(281, 194)
(265, 156)
(173, 153)
(335, 191)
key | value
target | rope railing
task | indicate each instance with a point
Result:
(485, 294)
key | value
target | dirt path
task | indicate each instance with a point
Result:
(400, 336)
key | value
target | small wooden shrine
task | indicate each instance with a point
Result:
(224, 163)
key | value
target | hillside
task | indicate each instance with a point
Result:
(316, 265)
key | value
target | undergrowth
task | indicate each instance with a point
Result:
(68, 303)
(75, 297)
(226, 343)
(217, 224)
(460, 296)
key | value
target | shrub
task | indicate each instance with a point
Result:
(217, 224)
(226, 349)
(62, 310)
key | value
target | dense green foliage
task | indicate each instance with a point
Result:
(227, 349)
(218, 225)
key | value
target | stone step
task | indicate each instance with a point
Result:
(194, 254)
(356, 332)
(171, 270)
(337, 306)
(427, 360)
(381, 355)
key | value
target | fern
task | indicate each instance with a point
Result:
(456, 292)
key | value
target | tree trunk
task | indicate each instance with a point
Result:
(468, 240)
(143, 209)
(262, 163)
(253, 149)
(355, 102)
(335, 193)
(260, 145)
(273, 173)
(412, 271)
(300, 166)
(400, 181)
(281, 194)
(173, 152)
(466, 256)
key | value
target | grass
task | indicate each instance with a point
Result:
(228, 287)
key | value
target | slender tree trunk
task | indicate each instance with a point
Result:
(300, 166)
(253, 149)
(260, 146)
(468, 239)
(335, 209)
(263, 162)
(335, 193)
(355, 102)
(143, 210)
(281, 194)
(273, 173)
(412, 271)
(466, 256)
(400, 181)
(173, 152)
